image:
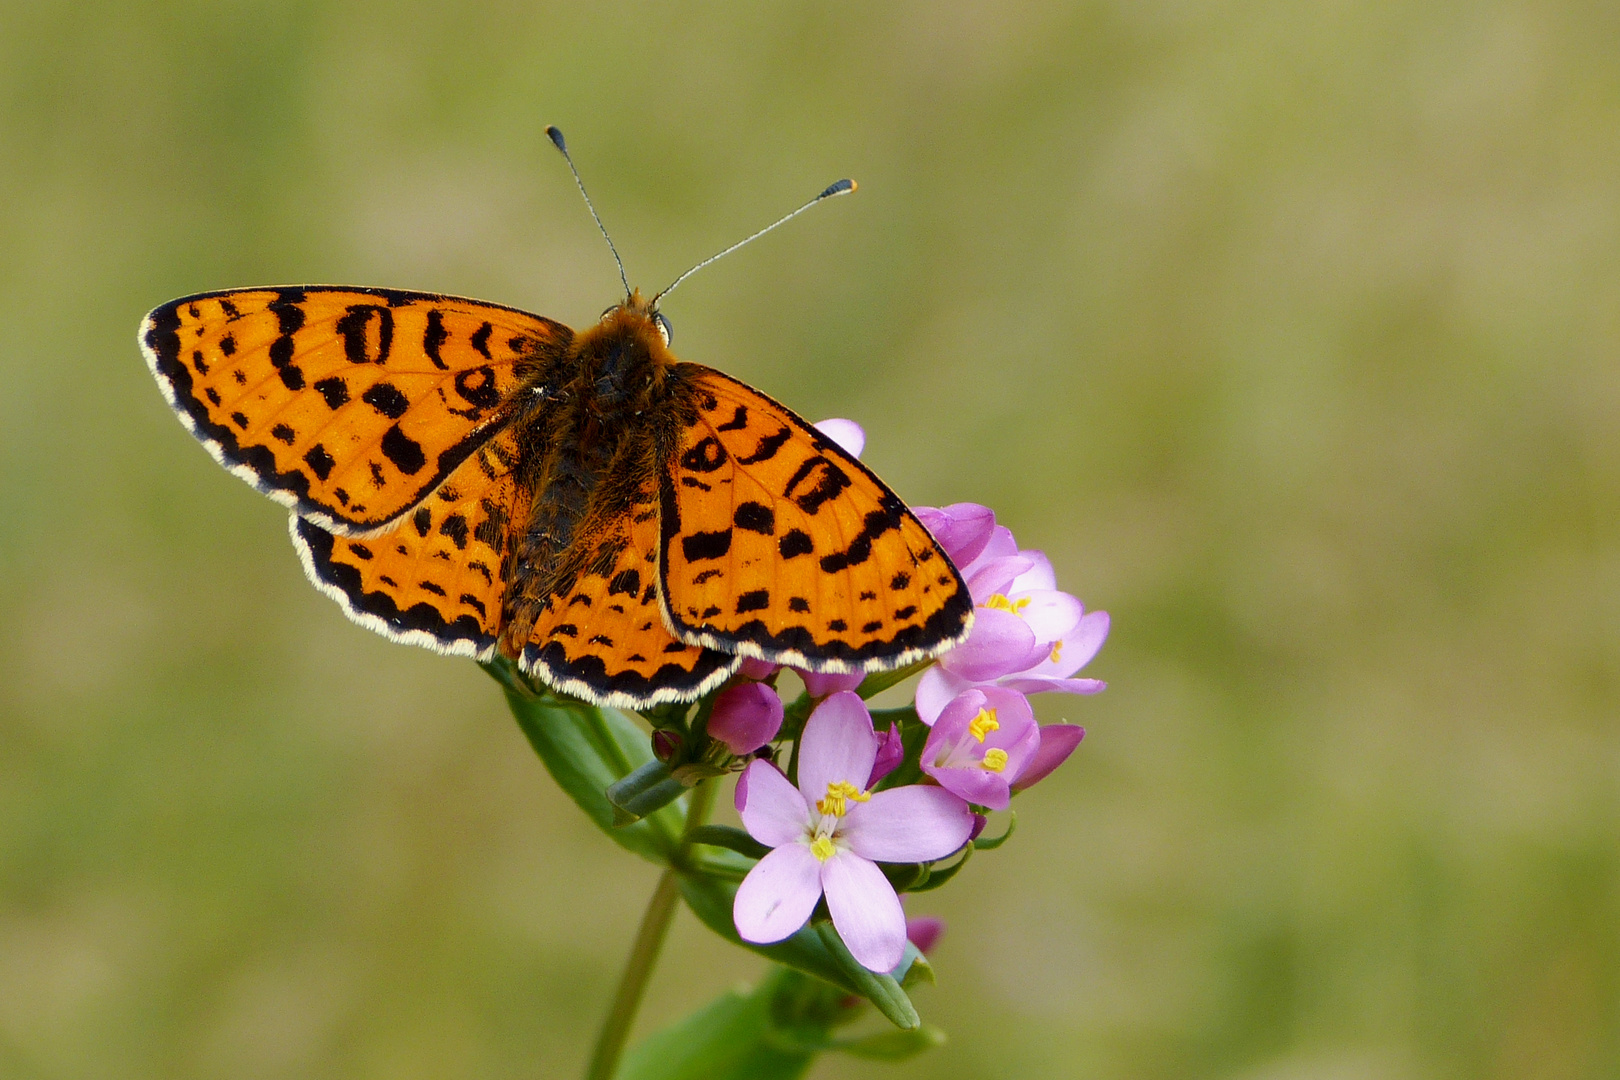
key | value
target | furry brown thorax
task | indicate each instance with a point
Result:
(598, 412)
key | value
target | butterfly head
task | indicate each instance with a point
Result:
(637, 307)
(627, 350)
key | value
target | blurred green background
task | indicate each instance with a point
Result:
(1289, 330)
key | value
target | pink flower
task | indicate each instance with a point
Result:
(829, 832)
(746, 717)
(981, 744)
(1027, 635)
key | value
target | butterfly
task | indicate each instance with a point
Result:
(475, 479)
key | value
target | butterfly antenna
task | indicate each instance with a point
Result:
(840, 188)
(556, 138)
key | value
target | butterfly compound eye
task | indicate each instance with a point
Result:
(665, 331)
(610, 309)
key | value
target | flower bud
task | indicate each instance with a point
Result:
(665, 744)
(758, 670)
(820, 684)
(924, 931)
(890, 753)
(746, 717)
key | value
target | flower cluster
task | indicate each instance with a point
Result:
(850, 800)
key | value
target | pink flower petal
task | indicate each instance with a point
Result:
(1000, 545)
(1000, 643)
(1083, 642)
(962, 529)
(952, 723)
(778, 895)
(1038, 576)
(907, 824)
(846, 433)
(746, 717)
(1038, 685)
(936, 689)
(1057, 743)
(1018, 733)
(865, 910)
(838, 745)
(991, 576)
(1050, 614)
(820, 684)
(978, 786)
(771, 808)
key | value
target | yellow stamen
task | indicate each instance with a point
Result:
(822, 848)
(837, 792)
(1001, 603)
(1057, 651)
(995, 759)
(984, 724)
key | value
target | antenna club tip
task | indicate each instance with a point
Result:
(556, 137)
(838, 188)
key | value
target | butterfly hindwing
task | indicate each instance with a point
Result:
(437, 577)
(602, 636)
(777, 544)
(347, 405)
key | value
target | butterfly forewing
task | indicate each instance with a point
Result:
(348, 405)
(777, 544)
(602, 636)
(437, 577)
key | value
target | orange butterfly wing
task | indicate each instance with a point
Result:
(777, 544)
(347, 405)
(438, 576)
(603, 638)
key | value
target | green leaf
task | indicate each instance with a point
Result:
(586, 749)
(892, 1045)
(731, 1038)
(904, 876)
(773, 1032)
(918, 970)
(936, 878)
(710, 900)
(881, 990)
(725, 836)
(647, 788)
(991, 843)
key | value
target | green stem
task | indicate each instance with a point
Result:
(644, 953)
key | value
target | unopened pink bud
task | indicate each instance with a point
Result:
(890, 753)
(822, 684)
(746, 717)
(758, 670)
(924, 931)
(665, 744)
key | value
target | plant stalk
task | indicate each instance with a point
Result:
(644, 953)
